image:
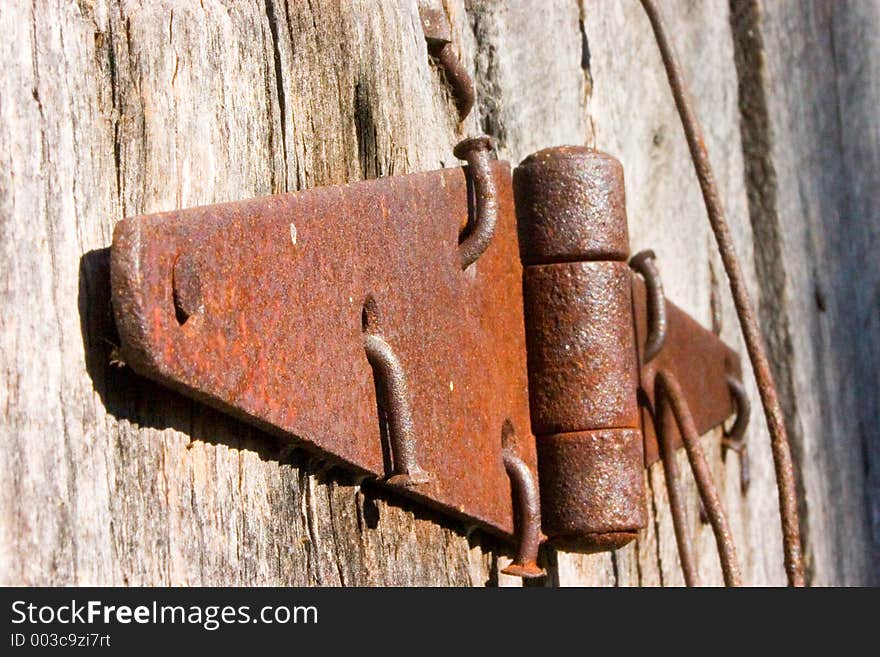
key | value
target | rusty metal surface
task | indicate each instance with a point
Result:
(581, 350)
(782, 461)
(572, 206)
(592, 488)
(595, 337)
(700, 361)
(583, 376)
(384, 325)
(261, 308)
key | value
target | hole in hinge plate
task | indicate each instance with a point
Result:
(186, 288)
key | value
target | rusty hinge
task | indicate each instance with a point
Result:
(466, 337)
(597, 336)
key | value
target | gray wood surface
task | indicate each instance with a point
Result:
(811, 131)
(114, 108)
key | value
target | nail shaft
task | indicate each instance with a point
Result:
(392, 379)
(643, 263)
(527, 508)
(475, 151)
(458, 77)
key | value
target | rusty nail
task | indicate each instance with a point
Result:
(390, 375)
(737, 432)
(527, 510)
(475, 151)
(643, 263)
(458, 77)
(670, 392)
(734, 438)
(438, 36)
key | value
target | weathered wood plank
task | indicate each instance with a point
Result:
(797, 236)
(810, 137)
(116, 108)
(113, 109)
(856, 51)
(120, 108)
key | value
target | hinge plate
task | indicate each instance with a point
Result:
(259, 308)
(256, 307)
(698, 359)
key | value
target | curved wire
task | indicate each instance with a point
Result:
(669, 391)
(676, 502)
(781, 449)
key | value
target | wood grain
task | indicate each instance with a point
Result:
(811, 147)
(113, 108)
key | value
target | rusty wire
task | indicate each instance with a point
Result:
(748, 322)
(670, 394)
(676, 504)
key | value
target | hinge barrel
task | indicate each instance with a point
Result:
(581, 349)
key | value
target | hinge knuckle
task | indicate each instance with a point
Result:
(581, 351)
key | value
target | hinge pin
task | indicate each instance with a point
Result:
(580, 347)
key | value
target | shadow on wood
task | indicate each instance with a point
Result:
(132, 398)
